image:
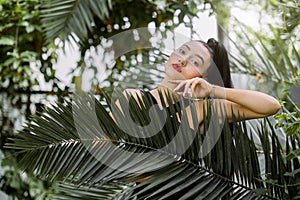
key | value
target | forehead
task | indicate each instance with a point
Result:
(198, 48)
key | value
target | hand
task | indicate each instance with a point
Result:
(199, 87)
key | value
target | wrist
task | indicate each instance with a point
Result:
(212, 91)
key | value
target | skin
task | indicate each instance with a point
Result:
(184, 72)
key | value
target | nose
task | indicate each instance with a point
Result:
(182, 62)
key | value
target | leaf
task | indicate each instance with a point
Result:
(292, 173)
(97, 191)
(64, 18)
(7, 41)
(293, 154)
(29, 28)
(79, 143)
(293, 128)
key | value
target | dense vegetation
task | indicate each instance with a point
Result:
(31, 33)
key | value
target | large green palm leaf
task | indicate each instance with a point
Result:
(52, 148)
(72, 18)
(66, 191)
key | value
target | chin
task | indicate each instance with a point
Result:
(173, 74)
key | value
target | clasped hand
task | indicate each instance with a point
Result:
(195, 87)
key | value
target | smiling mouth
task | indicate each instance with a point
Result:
(176, 67)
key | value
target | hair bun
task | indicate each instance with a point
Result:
(212, 43)
(221, 61)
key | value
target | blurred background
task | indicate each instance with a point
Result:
(50, 49)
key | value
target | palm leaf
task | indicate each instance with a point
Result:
(66, 191)
(276, 59)
(281, 164)
(72, 18)
(67, 143)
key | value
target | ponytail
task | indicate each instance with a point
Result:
(221, 61)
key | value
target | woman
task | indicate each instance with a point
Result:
(190, 72)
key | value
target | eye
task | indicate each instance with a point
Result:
(194, 62)
(181, 51)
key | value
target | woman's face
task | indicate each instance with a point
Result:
(190, 60)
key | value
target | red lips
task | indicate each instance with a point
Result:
(176, 67)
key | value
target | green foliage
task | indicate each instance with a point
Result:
(271, 53)
(60, 152)
(20, 185)
(53, 147)
(281, 166)
(65, 191)
(62, 19)
(87, 22)
(24, 59)
(29, 33)
(26, 65)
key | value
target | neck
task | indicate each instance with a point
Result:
(166, 85)
(166, 88)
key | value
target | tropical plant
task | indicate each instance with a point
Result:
(78, 144)
(26, 64)
(51, 148)
(271, 53)
(22, 48)
(86, 22)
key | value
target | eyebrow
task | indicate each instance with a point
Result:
(187, 47)
(201, 58)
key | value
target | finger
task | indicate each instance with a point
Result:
(186, 89)
(175, 81)
(194, 84)
(179, 86)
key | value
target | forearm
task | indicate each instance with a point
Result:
(253, 100)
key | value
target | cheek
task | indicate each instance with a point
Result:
(192, 73)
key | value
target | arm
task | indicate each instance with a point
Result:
(250, 104)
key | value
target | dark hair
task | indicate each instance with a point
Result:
(220, 60)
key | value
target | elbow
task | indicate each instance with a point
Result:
(274, 107)
(277, 107)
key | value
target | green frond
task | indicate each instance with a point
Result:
(72, 18)
(67, 191)
(79, 143)
(276, 59)
(278, 179)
